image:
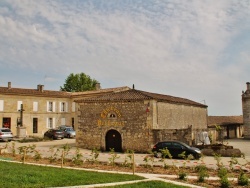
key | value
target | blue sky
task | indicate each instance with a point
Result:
(193, 49)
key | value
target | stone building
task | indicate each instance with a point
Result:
(232, 126)
(136, 120)
(246, 111)
(43, 109)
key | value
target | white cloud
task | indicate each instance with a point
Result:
(173, 47)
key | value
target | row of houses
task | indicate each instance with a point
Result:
(120, 118)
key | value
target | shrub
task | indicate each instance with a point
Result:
(77, 159)
(224, 182)
(222, 172)
(53, 154)
(182, 176)
(202, 172)
(243, 179)
(31, 139)
(94, 155)
(113, 156)
(37, 155)
(128, 158)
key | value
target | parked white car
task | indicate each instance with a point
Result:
(6, 134)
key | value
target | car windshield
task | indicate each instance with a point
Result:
(69, 129)
(185, 145)
(5, 130)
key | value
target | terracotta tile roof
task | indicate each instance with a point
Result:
(135, 95)
(224, 120)
(51, 93)
(33, 92)
(107, 90)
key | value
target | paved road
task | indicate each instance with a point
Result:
(44, 148)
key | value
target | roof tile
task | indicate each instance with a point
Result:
(134, 95)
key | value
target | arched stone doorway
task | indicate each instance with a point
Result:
(113, 140)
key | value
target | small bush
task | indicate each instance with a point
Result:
(37, 155)
(223, 172)
(128, 159)
(202, 172)
(77, 159)
(200, 168)
(94, 155)
(224, 182)
(31, 139)
(182, 176)
(113, 156)
(243, 179)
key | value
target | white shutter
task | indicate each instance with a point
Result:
(66, 106)
(47, 106)
(35, 106)
(54, 106)
(60, 106)
(73, 106)
(19, 105)
(1, 105)
(54, 121)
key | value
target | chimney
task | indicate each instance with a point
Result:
(40, 87)
(97, 86)
(9, 85)
(248, 86)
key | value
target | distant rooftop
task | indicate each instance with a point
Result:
(40, 91)
(225, 120)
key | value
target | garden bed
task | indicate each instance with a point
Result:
(128, 167)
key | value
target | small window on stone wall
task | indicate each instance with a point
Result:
(112, 115)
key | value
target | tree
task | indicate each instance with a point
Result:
(78, 82)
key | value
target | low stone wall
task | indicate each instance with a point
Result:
(222, 150)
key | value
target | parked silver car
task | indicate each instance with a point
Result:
(6, 134)
(69, 132)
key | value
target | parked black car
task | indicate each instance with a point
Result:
(175, 148)
(54, 134)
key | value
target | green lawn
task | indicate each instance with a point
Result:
(23, 176)
(16, 175)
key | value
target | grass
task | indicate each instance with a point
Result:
(148, 184)
(17, 175)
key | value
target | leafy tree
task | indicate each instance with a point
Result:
(78, 82)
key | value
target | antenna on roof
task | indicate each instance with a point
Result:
(133, 86)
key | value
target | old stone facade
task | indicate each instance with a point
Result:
(136, 120)
(246, 111)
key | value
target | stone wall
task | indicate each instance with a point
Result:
(183, 135)
(130, 121)
(246, 111)
(172, 116)
(136, 124)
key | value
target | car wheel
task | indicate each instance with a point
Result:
(158, 155)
